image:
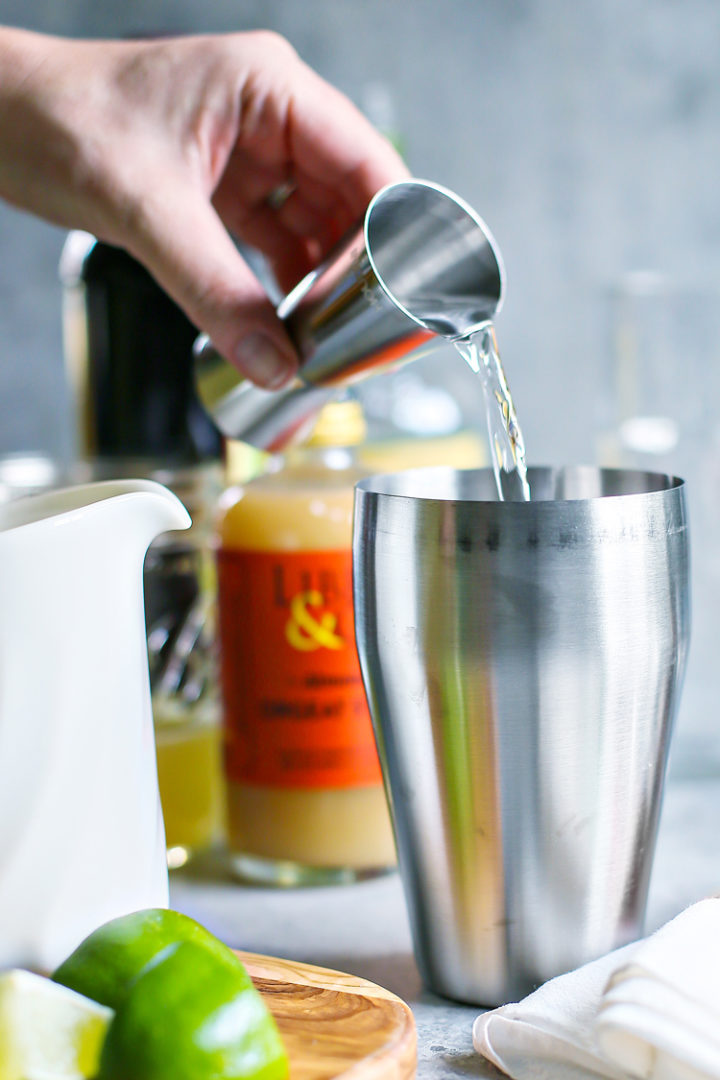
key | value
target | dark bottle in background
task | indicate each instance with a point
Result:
(128, 355)
(128, 350)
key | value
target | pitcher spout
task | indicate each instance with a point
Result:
(156, 509)
(159, 510)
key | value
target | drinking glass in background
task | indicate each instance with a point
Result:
(659, 412)
(180, 614)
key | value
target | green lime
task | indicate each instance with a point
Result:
(192, 1015)
(104, 964)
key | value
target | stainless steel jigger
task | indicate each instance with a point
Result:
(420, 268)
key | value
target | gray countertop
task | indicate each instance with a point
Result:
(363, 929)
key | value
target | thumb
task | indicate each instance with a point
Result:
(187, 249)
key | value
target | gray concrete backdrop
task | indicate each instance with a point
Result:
(586, 133)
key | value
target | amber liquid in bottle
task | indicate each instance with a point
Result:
(305, 801)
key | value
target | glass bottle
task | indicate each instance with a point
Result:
(128, 350)
(305, 802)
(180, 616)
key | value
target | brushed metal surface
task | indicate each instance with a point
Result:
(420, 268)
(523, 663)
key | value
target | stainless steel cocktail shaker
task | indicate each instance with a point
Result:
(523, 664)
(421, 268)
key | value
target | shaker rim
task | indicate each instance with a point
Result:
(446, 484)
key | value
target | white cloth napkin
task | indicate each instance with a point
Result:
(650, 1010)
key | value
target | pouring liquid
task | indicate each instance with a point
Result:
(507, 446)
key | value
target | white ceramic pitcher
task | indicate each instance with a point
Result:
(81, 832)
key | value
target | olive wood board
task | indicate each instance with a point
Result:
(333, 1024)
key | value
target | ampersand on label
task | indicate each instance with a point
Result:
(306, 633)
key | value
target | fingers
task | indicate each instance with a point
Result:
(294, 127)
(278, 122)
(289, 253)
(296, 234)
(290, 256)
(334, 145)
(185, 246)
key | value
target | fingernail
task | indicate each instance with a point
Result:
(263, 362)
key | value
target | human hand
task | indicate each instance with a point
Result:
(162, 146)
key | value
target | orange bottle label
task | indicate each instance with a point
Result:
(295, 708)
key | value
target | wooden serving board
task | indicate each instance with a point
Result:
(335, 1025)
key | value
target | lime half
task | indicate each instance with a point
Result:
(104, 964)
(192, 1016)
(185, 1007)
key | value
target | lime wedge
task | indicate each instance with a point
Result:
(48, 1031)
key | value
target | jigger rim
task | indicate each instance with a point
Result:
(451, 196)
